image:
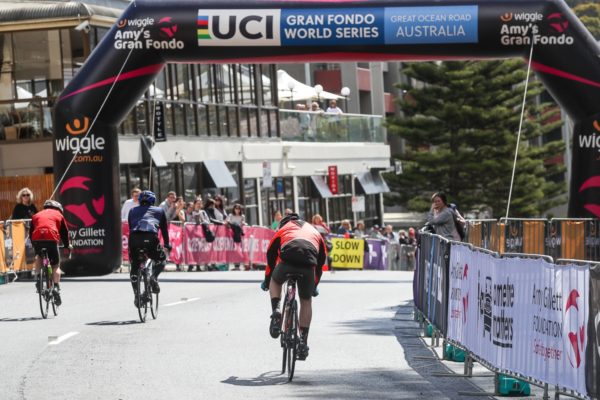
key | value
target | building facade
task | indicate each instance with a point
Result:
(225, 132)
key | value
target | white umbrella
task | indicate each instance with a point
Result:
(300, 91)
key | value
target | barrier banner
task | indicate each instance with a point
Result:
(176, 242)
(593, 350)
(125, 240)
(347, 253)
(375, 256)
(252, 249)
(524, 315)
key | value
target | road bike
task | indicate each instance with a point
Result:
(145, 296)
(290, 330)
(45, 286)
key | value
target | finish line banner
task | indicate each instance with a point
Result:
(525, 315)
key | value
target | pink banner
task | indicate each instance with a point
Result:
(189, 246)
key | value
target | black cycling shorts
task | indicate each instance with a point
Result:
(147, 241)
(52, 249)
(306, 284)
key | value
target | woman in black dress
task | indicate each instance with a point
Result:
(24, 209)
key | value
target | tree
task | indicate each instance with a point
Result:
(589, 14)
(460, 128)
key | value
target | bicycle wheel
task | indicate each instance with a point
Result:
(293, 339)
(153, 297)
(43, 291)
(141, 286)
(283, 335)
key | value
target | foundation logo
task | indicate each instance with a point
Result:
(83, 145)
(465, 299)
(575, 326)
(558, 22)
(167, 27)
(496, 302)
(238, 27)
(90, 210)
(591, 183)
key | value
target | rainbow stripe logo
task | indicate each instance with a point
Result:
(203, 33)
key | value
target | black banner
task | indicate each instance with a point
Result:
(159, 123)
(585, 175)
(592, 367)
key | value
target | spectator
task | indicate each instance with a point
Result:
(359, 231)
(333, 108)
(276, 218)
(388, 233)
(236, 220)
(334, 119)
(319, 224)
(220, 213)
(440, 217)
(375, 232)
(288, 211)
(402, 237)
(169, 206)
(304, 122)
(186, 214)
(24, 209)
(209, 208)
(199, 216)
(179, 210)
(130, 203)
(412, 236)
(344, 228)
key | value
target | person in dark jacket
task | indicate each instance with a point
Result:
(145, 221)
(296, 248)
(24, 209)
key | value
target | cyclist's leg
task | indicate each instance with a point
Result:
(54, 258)
(157, 253)
(306, 287)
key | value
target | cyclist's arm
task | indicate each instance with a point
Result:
(64, 232)
(272, 255)
(164, 229)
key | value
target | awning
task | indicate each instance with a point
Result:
(217, 174)
(152, 150)
(372, 182)
(321, 185)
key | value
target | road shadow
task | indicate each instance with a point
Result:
(270, 378)
(23, 319)
(114, 323)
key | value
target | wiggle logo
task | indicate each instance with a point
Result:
(77, 187)
(166, 27)
(122, 23)
(558, 22)
(78, 127)
(576, 332)
(506, 17)
(596, 125)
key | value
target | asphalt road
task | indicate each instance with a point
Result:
(210, 341)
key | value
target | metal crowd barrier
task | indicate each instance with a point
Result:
(432, 274)
(570, 238)
(16, 252)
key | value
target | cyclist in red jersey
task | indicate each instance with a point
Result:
(48, 228)
(296, 248)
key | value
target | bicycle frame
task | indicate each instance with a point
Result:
(290, 337)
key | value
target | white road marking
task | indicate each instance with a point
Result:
(183, 301)
(62, 338)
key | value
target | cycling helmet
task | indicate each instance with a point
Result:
(147, 197)
(289, 217)
(53, 204)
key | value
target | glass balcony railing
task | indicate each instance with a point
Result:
(307, 126)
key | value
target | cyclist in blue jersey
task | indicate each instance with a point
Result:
(144, 224)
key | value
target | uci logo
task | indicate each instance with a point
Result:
(238, 27)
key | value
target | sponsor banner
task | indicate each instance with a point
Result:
(524, 315)
(190, 247)
(430, 25)
(241, 27)
(352, 26)
(527, 27)
(592, 366)
(347, 253)
(375, 254)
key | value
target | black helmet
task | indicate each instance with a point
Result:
(289, 217)
(147, 197)
(53, 204)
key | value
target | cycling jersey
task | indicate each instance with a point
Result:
(49, 225)
(149, 219)
(299, 244)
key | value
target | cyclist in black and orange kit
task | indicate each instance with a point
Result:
(48, 228)
(145, 221)
(296, 248)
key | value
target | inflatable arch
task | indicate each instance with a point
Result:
(151, 33)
